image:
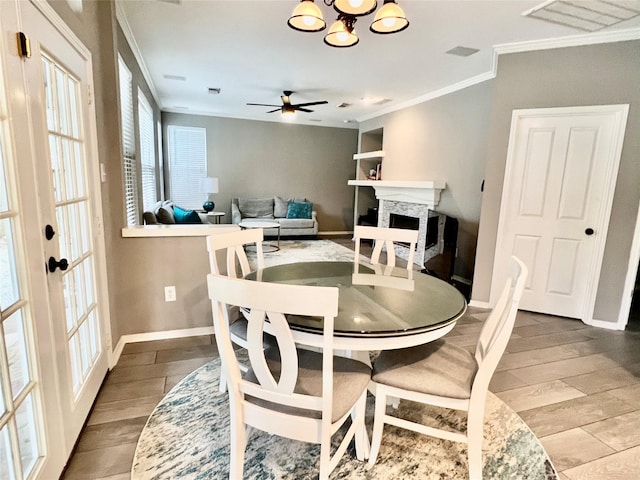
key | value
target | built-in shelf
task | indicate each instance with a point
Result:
(368, 155)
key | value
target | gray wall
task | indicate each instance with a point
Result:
(463, 137)
(590, 75)
(263, 159)
(443, 139)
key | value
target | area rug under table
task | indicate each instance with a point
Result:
(292, 251)
(187, 438)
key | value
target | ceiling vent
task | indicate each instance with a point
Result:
(588, 16)
(462, 51)
(214, 91)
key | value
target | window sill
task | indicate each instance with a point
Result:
(176, 230)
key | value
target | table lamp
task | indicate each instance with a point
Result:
(209, 185)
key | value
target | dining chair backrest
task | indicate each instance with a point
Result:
(289, 392)
(236, 262)
(498, 327)
(270, 302)
(385, 237)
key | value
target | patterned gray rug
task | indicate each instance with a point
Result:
(187, 438)
(292, 251)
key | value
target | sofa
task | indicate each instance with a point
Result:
(166, 212)
(295, 215)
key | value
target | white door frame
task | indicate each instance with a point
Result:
(604, 215)
(630, 280)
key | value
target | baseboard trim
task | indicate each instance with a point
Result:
(603, 324)
(478, 304)
(150, 336)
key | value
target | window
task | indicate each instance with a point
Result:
(147, 152)
(128, 145)
(187, 148)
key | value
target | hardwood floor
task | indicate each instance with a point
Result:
(577, 387)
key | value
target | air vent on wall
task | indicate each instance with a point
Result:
(214, 91)
(174, 2)
(174, 77)
(588, 16)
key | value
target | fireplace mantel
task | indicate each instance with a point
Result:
(422, 192)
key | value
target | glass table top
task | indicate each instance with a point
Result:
(375, 300)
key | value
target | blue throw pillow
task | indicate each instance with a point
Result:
(299, 210)
(185, 216)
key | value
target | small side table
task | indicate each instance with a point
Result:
(214, 217)
(265, 224)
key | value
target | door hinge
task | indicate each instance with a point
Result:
(24, 45)
(89, 95)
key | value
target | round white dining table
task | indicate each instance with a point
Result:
(380, 307)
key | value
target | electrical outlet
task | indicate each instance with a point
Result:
(170, 294)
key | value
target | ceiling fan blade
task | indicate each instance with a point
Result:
(303, 109)
(308, 104)
(263, 104)
(276, 110)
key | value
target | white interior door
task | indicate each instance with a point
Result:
(51, 212)
(558, 190)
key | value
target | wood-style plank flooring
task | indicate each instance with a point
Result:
(577, 387)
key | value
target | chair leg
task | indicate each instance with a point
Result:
(238, 444)
(325, 456)
(378, 423)
(222, 387)
(361, 437)
(475, 423)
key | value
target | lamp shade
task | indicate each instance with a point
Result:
(355, 7)
(209, 185)
(307, 17)
(389, 19)
(341, 34)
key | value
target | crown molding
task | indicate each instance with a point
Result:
(128, 34)
(516, 47)
(483, 77)
(569, 41)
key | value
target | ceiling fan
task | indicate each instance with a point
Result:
(287, 107)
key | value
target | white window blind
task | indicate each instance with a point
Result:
(128, 145)
(147, 152)
(187, 148)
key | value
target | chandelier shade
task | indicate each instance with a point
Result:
(341, 34)
(389, 19)
(307, 17)
(355, 7)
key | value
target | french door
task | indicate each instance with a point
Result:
(54, 245)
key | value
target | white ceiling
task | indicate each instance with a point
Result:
(246, 49)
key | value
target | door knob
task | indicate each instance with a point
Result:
(589, 231)
(63, 264)
(49, 232)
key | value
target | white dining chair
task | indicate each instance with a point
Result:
(385, 237)
(294, 393)
(445, 375)
(227, 256)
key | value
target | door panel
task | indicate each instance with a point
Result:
(559, 183)
(52, 347)
(57, 81)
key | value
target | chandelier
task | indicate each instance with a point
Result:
(307, 17)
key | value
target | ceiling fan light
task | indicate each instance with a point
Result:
(389, 19)
(341, 35)
(307, 17)
(355, 7)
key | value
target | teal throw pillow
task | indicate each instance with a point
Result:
(185, 216)
(299, 210)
